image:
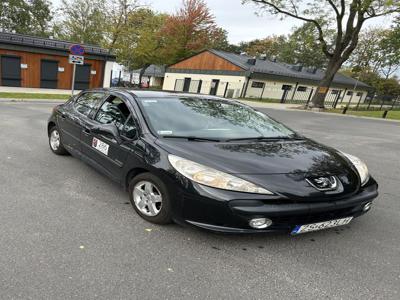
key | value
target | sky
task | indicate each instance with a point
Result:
(239, 20)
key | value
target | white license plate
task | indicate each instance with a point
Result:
(100, 146)
(320, 226)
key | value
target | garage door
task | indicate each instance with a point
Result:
(48, 74)
(82, 77)
(10, 71)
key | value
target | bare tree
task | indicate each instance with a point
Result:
(346, 16)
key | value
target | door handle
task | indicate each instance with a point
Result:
(87, 131)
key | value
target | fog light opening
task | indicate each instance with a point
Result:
(260, 223)
(367, 206)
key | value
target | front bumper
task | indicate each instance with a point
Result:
(233, 216)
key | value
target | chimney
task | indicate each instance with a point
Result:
(263, 57)
(297, 68)
(312, 70)
(252, 61)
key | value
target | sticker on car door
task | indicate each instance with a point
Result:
(100, 146)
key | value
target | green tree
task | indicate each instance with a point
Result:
(390, 47)
(346, 17)
(221, 43)
(82, 21)
(367, 55)
(302, 48)
(270, 46)
(25, 17)
(381, 85)
(140, 42)
(378, 50)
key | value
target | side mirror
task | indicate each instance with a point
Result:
(131, 134)
(110, 129)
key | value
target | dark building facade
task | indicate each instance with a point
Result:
(33, 62)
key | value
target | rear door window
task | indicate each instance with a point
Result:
(87, 102)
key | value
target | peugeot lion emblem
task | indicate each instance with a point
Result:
(328, 183)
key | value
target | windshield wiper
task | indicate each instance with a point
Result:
(190, 138)
(263, 138)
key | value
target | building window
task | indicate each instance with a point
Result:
(359, 94)
(286, 87)
(335, 92)
(257, 84)
(302, 89)
(349, 93)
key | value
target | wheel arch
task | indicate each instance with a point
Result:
(50, 125)
(131, 174)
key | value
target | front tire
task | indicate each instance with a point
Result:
(149, 197)
(55, 143)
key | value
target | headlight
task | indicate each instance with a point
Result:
(360, 166)
(214, 178)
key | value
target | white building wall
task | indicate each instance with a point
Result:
(270, 89)
(355, 98)
(155, 81)
(107, 73)
(232, 84)
(273, 90)
(119, 71)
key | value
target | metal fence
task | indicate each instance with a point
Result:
(377, 102)
(335, 99)
(341, 99)
(304, 96)
(301, 95)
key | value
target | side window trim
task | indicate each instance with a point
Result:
(96, 110)
(108, 96)
(135, 121)
(90, 114)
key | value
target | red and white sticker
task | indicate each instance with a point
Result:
(100, 146)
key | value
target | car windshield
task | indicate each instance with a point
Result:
(202, 118)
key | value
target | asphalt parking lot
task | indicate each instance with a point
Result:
(67, 232)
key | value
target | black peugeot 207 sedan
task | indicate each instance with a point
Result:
(211, 162)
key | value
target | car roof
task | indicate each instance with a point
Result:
(156, 94)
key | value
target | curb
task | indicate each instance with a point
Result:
(269, 105)
(296, 108)
(358, 117)
(345, 115)
(18, 100)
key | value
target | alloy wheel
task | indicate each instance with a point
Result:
(147, 198)
(54, 140)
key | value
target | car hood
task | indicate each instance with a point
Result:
(267, 157)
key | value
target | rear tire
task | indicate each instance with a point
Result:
(149, 197)
(55, 143)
